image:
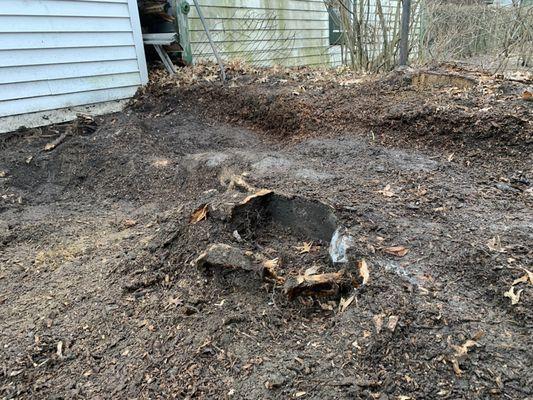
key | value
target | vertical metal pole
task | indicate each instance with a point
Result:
(215, 52)
(404, 35)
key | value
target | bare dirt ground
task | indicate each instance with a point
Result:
(100, 296)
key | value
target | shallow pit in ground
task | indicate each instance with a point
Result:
(294, 229)
(305, 219)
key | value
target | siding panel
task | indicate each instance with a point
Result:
(63, 53)
(13, 91)
(33, 73)
(62, 8)
(13, 58)
(20, 41)
(14, 23)
(45, 103)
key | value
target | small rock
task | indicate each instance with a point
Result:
(237, 237)
(348, 381)
(505, 187)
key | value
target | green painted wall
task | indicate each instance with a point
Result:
(265, 32)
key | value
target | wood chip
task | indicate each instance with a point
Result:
(393, 321)
(378, 322)
(260, 193)
(364, 273)
(199, 214)
(128, 223)
(52, 145)
(345, 303)
(398, 251)
(386, 191)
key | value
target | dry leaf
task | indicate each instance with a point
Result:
(398, 251)
(305, 247)
(363, 271)
(527, 95)
(3, 174)
(344, 303)
(460, 352)
(238, 182)
(529, 275)
(175, 301)
(522, 279)
(515, 297)
(495, 244)
(386, 191)
(271, 264)
(269, 270)
(199, 214)
(455, 364)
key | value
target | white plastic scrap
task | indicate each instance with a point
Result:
(341, 241)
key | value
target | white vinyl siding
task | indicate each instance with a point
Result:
(63, 53)
(265, 32)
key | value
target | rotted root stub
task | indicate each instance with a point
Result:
(225, 257)
(320, 285)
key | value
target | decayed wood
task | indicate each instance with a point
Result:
(329, 284)
(52, 145)
(224, 256)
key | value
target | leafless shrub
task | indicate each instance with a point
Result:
(371, 31)
(493, 37)
(496, 38)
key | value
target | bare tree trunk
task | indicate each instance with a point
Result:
(404, 37)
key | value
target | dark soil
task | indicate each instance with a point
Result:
(100, 296)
